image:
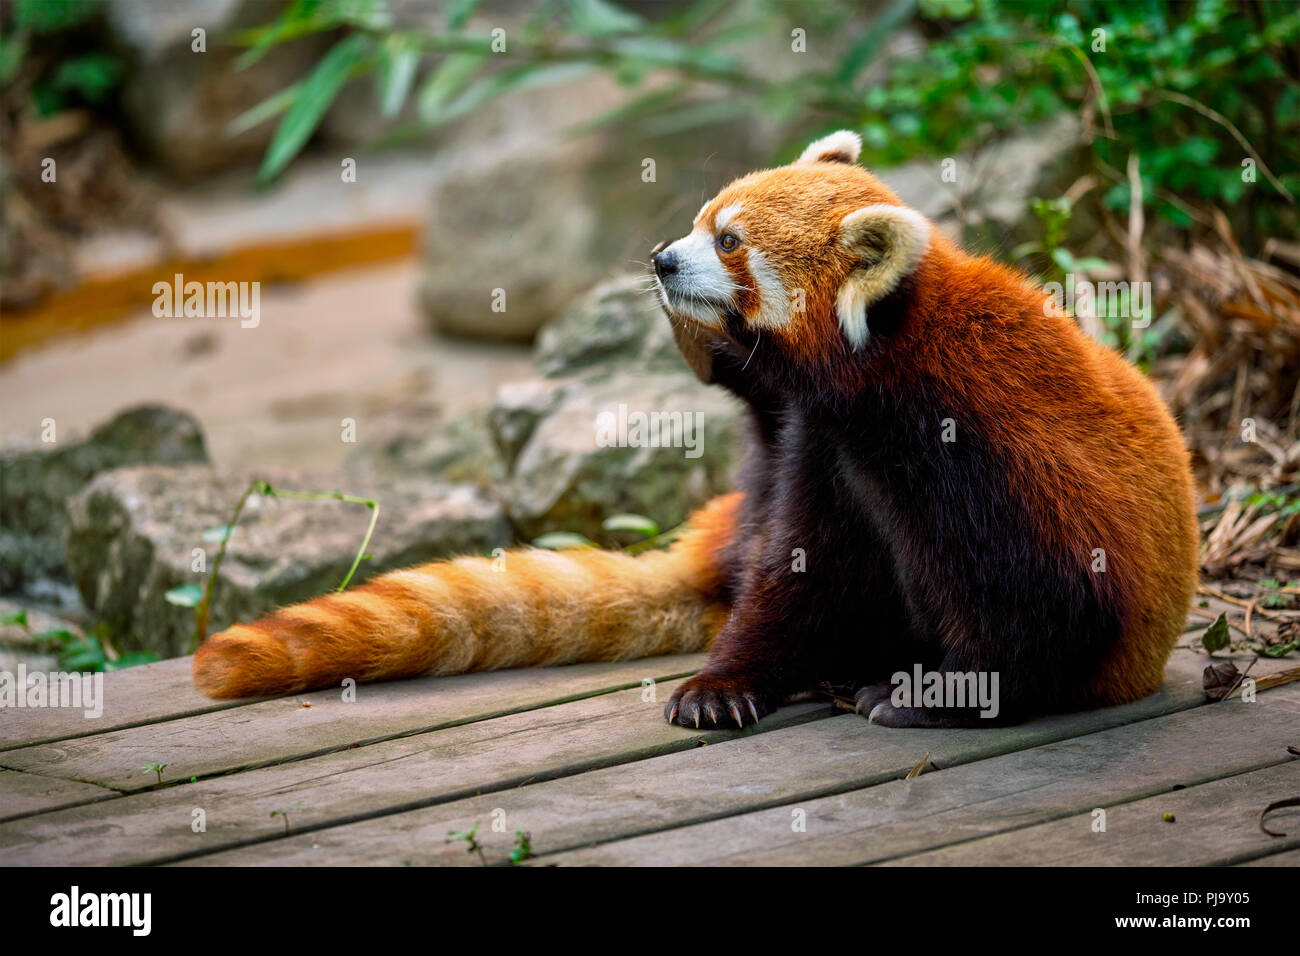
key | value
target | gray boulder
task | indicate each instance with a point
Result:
(184, 120)
(585, 460)
(36, 481)
(617, 327)
(458, 449)
(137, 533)
(618, 423)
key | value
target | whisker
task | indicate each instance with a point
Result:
(753, 350)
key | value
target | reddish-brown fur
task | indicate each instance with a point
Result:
(1087, 451)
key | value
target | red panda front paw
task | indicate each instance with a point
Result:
(708, 700)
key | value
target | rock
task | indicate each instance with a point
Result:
(180, 102)
(137, 533)
(538, 259)
(988, 204)
(617, 325)
(584, 460)
(542, 214)
(459, 449)
(36, 482)
(518, 409)
(570, 439)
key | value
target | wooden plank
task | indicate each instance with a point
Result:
(1215, 824)
(22, 794)
(453, 763)
(137, 695)
(1285, 858)
(286, 728)
(164, 691)
(799, 763)
(962, 803)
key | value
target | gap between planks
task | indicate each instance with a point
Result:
(680, 789)
(312, 724)
(395, 775)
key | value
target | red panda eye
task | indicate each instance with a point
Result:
(727, 242)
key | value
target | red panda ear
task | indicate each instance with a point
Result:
(842, 146)
(888, 242)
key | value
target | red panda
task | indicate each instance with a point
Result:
(944, 473)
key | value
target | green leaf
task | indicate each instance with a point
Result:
(1280, 650)
(56, 636)
(1216, 636)
(459, 12)
(83, 655)
(12, 50)
(90, 77)
(398, 58)
(17, 617)
(642, 525)
(450, 77)
(52, 16)
(598, 18)
(218, 534)
(559, 540)
(187, 595)
(263, 111)
(317, 93)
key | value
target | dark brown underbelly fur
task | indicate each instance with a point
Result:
(916, 553)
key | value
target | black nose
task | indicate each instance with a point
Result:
(665, 263)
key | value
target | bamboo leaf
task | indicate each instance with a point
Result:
(559, 540)
(642, 525)
(450, 77)
(263, 111)
(399, 56)
(187, 595)
(317, 93)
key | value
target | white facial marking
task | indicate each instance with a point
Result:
(701, 287)
(725, 215)
(773, 298)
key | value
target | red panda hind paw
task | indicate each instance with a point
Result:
(867, 698)
(707, 701)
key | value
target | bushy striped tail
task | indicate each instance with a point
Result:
(529, 608)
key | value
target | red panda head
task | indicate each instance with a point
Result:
(797, 254)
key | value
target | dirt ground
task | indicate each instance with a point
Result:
(347, 345)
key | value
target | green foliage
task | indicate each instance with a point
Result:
(1280, 650)
(560, 540)
(639, 524)
(72, 70)
(1281, 501)
(523, 847)
(75, 653)
(472, 844)
(43, 17)
(1197, 88)
(200, 598)
(1216, 636)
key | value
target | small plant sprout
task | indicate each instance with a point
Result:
(284, 814)
(187, 596)
(154, 768)
(523, 848)
(470, 837)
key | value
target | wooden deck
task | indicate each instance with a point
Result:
(578, 758)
